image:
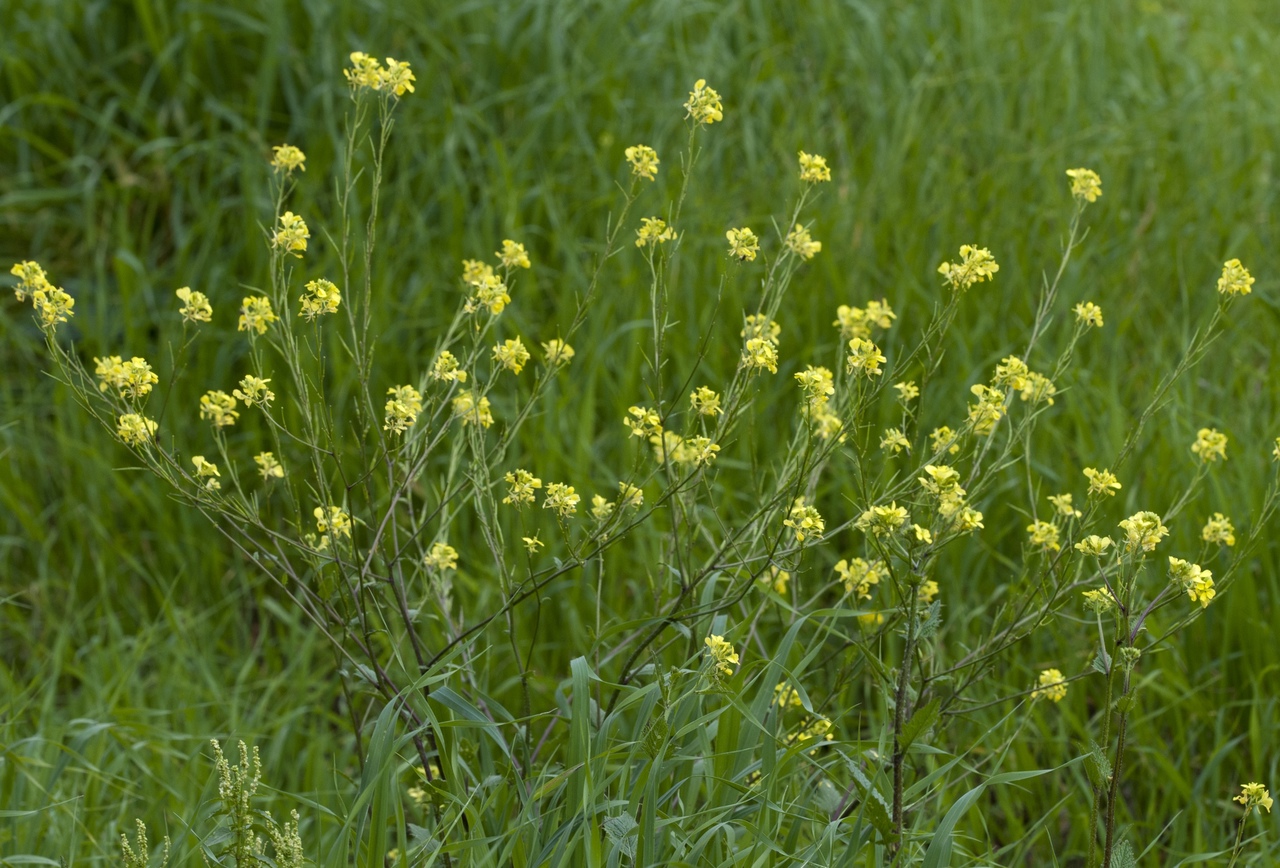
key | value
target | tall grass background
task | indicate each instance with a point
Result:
(133, 138)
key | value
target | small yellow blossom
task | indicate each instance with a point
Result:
(1094, 545)
(976, 265)
(1053, 686)
(256, 314)
(895, 441)
(402, 409)
(1235, 280)
(511, 355)
(1192, 578)
(704, 104)
(882, 520)
(321, 297)
(805, 521)
(758, 325)
(705, 401)
(532, 543)
(561, 498)
(366, 73)
(723, 657)
(1062, 504)
(813, 168)
(446, 368)
(907, 391)
(943, 439)
(777, 579)
(1010, 373)
(268, 466)
(922, 534)
(927, 591)
(286, 158)
(759, 354)
(668, 445)
(801, 243)
(1253, 796)
(1102, 483)
(653, 231)
(989, 410)
(1210, 445)
(332, 520)
(817, 384)
(557, 352)
(195, 305)
(630, 496)
(513, 255)
(1219, 529)
(1044, 535)
(522, 484)
(31, 277)
(943, 480)
(602, 509)
(1085, 184)
(135, 430)
(476, 272)
(1089, 314)
(860, 576)
(253, 391)
(1143, 531)
(397, 77)
(644, 161)
(966, 520)
(471, 411)
(864, 357)
(699, 451)
(642, 421)
(490, 293)
(1037, 388)
(786, 696)
(291, 235)
(219, 408)
(53, 305)
(870, 620)
(133, 379)
(441, 557)
(207, 471)
(1099, 600)
(743, 244)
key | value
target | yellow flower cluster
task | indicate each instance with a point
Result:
(1094, 545)
(367, 74)
(195, 305)
(1063, 506)
(1194, 579)
(291, 235)
(943, 439)
(256, 314)
(513, 255)
(561, 498)
(487, 289)
(1254, 795)
(557, 352)
(440, 557)
(1098, 600)
(801, 243)
(1219, 529)
(511, 355)
(705, 402)
(133, 379)
(321, 297)
(253, 391)
(976, 264)
(927, 591)
(1102, 483)
(1085, 184)
(52, 304)
(704, 104)
(813, 168)
(446, 368)
(208, 471)
(135, 430)
(882, 520)
(895, 441)
(723, 657)
(805, 521)
(1052, 686)
(777, 580)
(743, 244)
(1143, 531)
(471, 410)
(644, 161)
(818, 385)
(219, 408)
(1210, 445)
(907, 392)
(653, 230)
(943, 482)
(521, 485)
(860, 576)
(1089, 314)
(1235, 279)
(1044, 536)
(865, 358)
(331, 521)
(642, 421)
(857, 322)
(286, 158)
(31, 277)
(989, 410)
(402, 409)
(268, 466)
(760, 354)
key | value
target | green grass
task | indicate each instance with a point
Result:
(133, 139)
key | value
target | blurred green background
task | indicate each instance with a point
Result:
(133, 142)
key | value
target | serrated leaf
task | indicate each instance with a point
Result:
(1122, 856)
(931, 622)
(1098, 765)
(1102, 661)
(619, 830)
(920, 722)
(655, 736)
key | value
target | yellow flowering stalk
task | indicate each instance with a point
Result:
(521, 486)
(1052, 686)
(1098, 600)
(813, 168)
(976, 265)
(31, 277)
(321, 297)
(476, 272)
(777, 580)
(817, 384)
(801, 243)
(805, 521)
(365, 72)
(268, 466)
(1192, 578)
(446, 368)
(704, 104)
(286, 158)
(513, 255)
(256, 314)
(1253, 796)
(473, 411)
(1235, 279)
(705, 401)
(1219, 529)
(291, 235)
(602, 508)
(1143, 531)
(642, 421)
(1037, 388)
(629, 496)
(943, 439)
(557, 353)
(511, 355)
(760, 355)
(53, 305)
(532, 543)
(895, 441)
(1063, 506)
(1044, 536)
(644, 161)
(402, 409)
(653, 231)
(332, 520)
(743, 244)
(561, 499)
(723, 657)
(882, 520)
(1086, 186)
(441, 557)
(219, 408)
(254, 392)
(989, 410)
(865, 358)
(195, 305)
(859, 576)
(1011, 373)
(1094, 545)
(208, 471)
(1210, 445)
(1089, 314)
(133, 379)
(1102, 483)
(397, 77)
(857, 322)
(698, 451)
(758, 325)
(135, 430)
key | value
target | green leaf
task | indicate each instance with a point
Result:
(919, 723)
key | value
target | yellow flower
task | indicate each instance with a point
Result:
(1094, 545)
(195, 305)
(805, 521)
(291, 235)
(722, 654)
(1085, 184)
(895, 441)
(513, 255)
(1219, 529)
(397, 77)
(441, 557)
(706, 402)
(786, 696)
(532, 543)
(601, 509)
(1098, 600)
(1089, 314)
(817, 384)
(219, 408)
(743, 244)
(365, 73)
(942, 481)
(758, 325)
(1143, 531)
(864, 357)
(704, 104)
(653, 231)
(490, 293)
(860, 576)
(53, 305)
(777, 579)
(907, 391)
(332, 520)
(253, 390)
(446, 368)
(1254, 795)
(1053, 686)
(521, 484)
(561, 498)
(927, 591)
(475, 272)
(856, 322)
(966, 520)
(208, 471)
(976, 265)
(1062, 503)
(31, 277)
(1101, 482)
(760, 354)
(1037, 388)
(133, 379)
(1044, 535)
(989, 410)
(1235, 280)
(511, 355)
(557, 352)
(813, 168)
(256, 314)
(286, 158)
(1210, 445)
(643, 422)
(268, 466)
(943, 439)
(402, 409)
(471, 411)
(629, 496)
(870, 620)
(135, 430)
(1011, 372)
(321, 297)
(644, 161)
(882, 520)
(698, 451)
(801, 243)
